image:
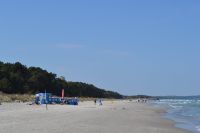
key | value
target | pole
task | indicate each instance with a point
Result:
(46, 99)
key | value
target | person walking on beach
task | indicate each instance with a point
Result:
(100, 102)
(95, 101)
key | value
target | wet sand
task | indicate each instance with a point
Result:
(112, 117)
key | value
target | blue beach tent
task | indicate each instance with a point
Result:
(55, 100)
(42, 98)
(72, 101)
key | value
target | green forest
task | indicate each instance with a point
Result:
(17, 78)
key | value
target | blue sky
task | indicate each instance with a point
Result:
(133, 47)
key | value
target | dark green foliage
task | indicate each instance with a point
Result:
(17, 78)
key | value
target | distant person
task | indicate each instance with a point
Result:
(139, 100)
(145, 100)
(95, 101)
(100, 102)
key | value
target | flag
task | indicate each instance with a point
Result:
(63, 93)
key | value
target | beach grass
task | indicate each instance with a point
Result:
(16, 97)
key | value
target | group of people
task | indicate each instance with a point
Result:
(142, 100)
(98, 101)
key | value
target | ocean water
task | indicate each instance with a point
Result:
(185, 111)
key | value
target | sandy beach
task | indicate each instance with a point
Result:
(112, 117)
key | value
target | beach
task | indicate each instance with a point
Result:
(112, 117)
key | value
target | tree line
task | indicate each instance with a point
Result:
(18, 79)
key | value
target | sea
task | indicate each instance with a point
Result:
(185, 111)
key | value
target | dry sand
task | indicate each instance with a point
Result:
(112, 117)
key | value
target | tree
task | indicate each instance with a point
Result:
(17, 78)
(5, 85)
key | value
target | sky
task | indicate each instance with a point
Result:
(129, 46)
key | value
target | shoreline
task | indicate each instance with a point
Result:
(112, 117)
(177, 122)
(164, 115)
